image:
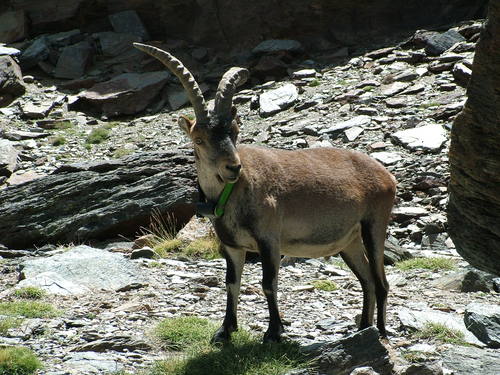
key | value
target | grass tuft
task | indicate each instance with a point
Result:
(315, 82)
(58, 140)
(18, 361)
(433, 263)
(245, 355)
(441, 332)
(29, 292)
(97, 135)
(326, 285)
(28, 309)
(9, 323)
(205, 248)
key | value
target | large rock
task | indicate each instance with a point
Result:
(360, 349)
(428, 137)
(74, 60)
(129, 22)
(464, 360)
(125, 94)
(11, 81)
(474, 204)
(8, 158)
(12, 26)
(276, 100)
(98, 199)
(483, 321)
(83, 269)
(438, 43)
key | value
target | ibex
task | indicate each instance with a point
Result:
(303, 203)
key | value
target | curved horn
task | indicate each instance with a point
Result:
(233, 78)
(188, 82)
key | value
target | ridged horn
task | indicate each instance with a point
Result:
(233, 78)
(192, 88)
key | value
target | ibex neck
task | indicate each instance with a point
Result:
(210, 185)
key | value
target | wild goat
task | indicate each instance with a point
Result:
(304, 203)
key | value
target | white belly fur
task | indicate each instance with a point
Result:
(317, 251)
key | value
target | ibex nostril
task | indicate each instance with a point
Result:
(234, 168)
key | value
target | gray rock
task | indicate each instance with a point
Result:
(74, 60)
(360, 349)
(81, 267)
(304, 73)
(8, 158)
(352, 133)
(12, 26)
(127, 93)
(364, 371)
(476, 281)
(434, 368)
(118, 343)
(145, 252)
(9, 51)
(359, 121)
(393, 88)
(462, 74)
(92, 363)
(401, 214)
(406, 76)
(128, 21)
(36, 111)
(428, 137)
(18, 135)
(387, 157)
(65, 38)
(378, 53)
(468, 361)
(438, 43)
(483, 321)
(394, 253)
(114, 44)
(278, 45)
(276, 100)
(11, 81)
(416, 320)
(90, 200)
(37, 52)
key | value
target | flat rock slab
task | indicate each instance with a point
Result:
(471, 361)
(276, 100)
(80, 270)
(360, 349)
(483, 321)
(127, 93)
(8, 158)
(387, 157)
(428, 137)
(358, 121)
(416, 320)
(278, 45)
(92, 363)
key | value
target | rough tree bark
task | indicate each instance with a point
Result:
(98, 200)
(474, 207)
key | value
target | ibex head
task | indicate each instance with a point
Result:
(213, 131)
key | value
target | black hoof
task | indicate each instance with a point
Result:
(273, 337)
(220, 337)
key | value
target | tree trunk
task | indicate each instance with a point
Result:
(98, 200)
(474, 207)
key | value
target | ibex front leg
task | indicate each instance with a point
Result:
(235, 259)
(270, 256)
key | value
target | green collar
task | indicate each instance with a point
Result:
(223, 198)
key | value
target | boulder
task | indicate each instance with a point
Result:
(98, 199)
(483, 321)
(8, 158)
(36, 52)
(438, 43)
(469, 360)
(428, 137)
(11, 81)
(124, 94)
(73, 60)
(474, 204)
(128, 21)
(12, 26)
(360, 349)
(114, 44)
(276, 100)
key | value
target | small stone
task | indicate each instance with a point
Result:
(357, 121)
(364, 371)
(145, 252)
(402, 214)
(406, 76)
(462, 74)
(393, 88)
(396, 102)
(386, 157)
(428, 137)
(304, 73)
(353, 133)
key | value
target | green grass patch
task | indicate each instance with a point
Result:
(29, 292)
(63, 125)
(314, 83)
(432, 263)
(58, 140)
(9, 323)
(441, 332)
(245, 355)
(97, 135)
(166, 248)
(429, 105)
(28, 309)
(414, 356)
(121, 152)
(205, 248)
(326, 285)
(18, 361)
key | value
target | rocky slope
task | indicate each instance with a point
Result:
(396, 103)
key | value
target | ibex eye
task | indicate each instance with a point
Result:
(198, 141)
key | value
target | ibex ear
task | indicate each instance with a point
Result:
(185, 124)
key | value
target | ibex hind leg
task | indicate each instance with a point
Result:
(355, 258)
(373, 233)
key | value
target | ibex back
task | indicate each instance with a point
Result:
(304, 203)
